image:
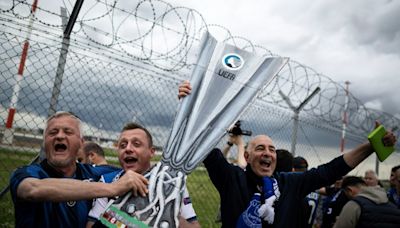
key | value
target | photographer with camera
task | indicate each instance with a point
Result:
(235, 138)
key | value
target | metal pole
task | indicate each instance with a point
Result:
(72, 19)
(296, 111)
(68, 26)
(294, 132)
(8, 135)
(60, 69)
(344, 125)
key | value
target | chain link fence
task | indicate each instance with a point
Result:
(124, 63)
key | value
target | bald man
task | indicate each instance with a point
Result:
(255, 196)
(239, 189)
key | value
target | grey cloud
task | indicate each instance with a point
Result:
(378, 26)
(369, 23)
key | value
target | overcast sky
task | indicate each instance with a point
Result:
(356, 40)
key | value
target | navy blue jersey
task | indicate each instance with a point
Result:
(53, 214)
(308, 210)
(312, 201)
(332, 208)
(394, 197)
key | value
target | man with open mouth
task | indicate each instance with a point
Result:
(58, 192)
(256, 197)
(135, 150)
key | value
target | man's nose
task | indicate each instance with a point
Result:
(267, 152)
(60, 135)
(129, 148)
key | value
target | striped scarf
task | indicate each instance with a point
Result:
(256, 211)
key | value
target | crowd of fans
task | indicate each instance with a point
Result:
(262, 187)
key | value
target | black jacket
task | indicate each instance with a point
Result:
(236, 187)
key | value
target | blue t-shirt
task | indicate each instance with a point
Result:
(311, 202)
(53, 214)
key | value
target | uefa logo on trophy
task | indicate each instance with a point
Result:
(233, 61)
(200, 123)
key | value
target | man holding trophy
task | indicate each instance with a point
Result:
(257, 197)
(224, 82)
(135, 150)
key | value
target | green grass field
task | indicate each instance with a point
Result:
(9, 160)
(203, 194)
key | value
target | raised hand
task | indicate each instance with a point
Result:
(184, 89)
(389, 139)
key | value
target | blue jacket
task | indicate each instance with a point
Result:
(53, 214)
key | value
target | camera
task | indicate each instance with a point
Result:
(236, 130)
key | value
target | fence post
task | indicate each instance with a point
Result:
(345, 117)
(296, 111)
(8, 135)
(62, 60)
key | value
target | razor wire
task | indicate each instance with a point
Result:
(125, 61)
(153, 19)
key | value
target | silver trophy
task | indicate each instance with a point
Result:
(224, 82)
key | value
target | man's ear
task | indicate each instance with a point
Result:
(246, 155)
(90, 157)
(351, 191)
(91, 154)
(152, 152)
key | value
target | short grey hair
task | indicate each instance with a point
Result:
(371, 172)
(64, 113)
